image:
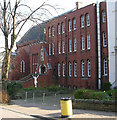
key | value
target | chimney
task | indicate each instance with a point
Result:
(77, 7)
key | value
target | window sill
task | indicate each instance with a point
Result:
(88, 25)
(105, 75)
(82, 27)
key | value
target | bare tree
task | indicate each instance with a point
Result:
(12, 21)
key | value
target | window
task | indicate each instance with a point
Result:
(49, 32)
(52, 48)
(89, 68)
(105, 67)
(88, 20)
(49, 49)
(59, 68)
(59, 29)
(63, 69)
(63, 28)
(82, 68)
(104, 39)
(35, 62)
(75, 45)
(88, 41)
(75, 69)
(70, 69)
(103, 16)
(63, 46)
(42, 54)
(70, 45)
(83, 43)
(74, 24)
(22, 66)
(70, 27)
(82, 21)
(52, 31)
(59, 47)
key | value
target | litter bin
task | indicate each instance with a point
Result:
(66, 107)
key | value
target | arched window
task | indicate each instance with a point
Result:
(105, 67)
(63, 69)
(82, 67)
(70, 27)
(70, 69)
(63, 28)
(42, 69)
(104, 39)
(74, 24)
(88, 68)
(103, 16)
(75, 69)
(22, 66)
(88, 20)
(82, 21)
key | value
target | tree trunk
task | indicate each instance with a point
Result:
(6, 65)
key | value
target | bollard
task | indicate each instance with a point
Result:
(26, 96)
(66, 107)
(33, 95)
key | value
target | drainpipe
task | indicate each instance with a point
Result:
(66, 51)
(99, 46)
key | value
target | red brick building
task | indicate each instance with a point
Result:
(65, 50)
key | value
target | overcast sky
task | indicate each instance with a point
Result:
(64, 5)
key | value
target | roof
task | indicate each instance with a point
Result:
(34, 33)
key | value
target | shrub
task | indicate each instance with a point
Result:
(13, 88)
(106, 86)
(82, 94)
(53, 88)
(112, 93)
(90, 94)
(100, 96)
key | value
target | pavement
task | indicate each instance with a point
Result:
(48, 107)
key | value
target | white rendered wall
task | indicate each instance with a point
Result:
(112, 40)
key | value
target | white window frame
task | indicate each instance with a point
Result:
(49, 32)
(82, 68)
(63, 46)
(52, 30)
(59, 69)
(63, 69)
(88, 42)
(75, 45)
(22, 66)
(103, 16)
(88, 19)
(53, 49)
(75, 69)
(105, 67)
(70, 45)
(74, 24)
(70, 26)
(89, 68)
(82, 21)
(70, 69)
(59, 47)
(104, 39)
(63, 28)
(83, 43)
(59, 29)
(49, 49)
